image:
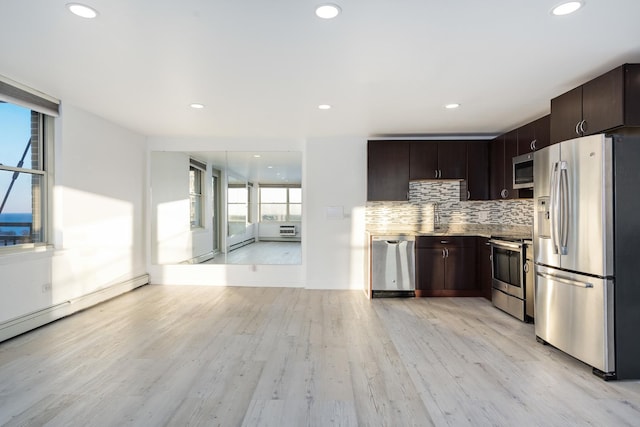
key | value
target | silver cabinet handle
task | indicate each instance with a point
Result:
(525, 268)
(444, 242)
(443, 254)
(504, 193)
(468, 194)
(447, 252)
(581, 127)
(533, 145)
(436, 171)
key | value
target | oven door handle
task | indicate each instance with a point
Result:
(503, 244)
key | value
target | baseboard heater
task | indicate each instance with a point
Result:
(19, 325)
(241, 244)
(287, 231)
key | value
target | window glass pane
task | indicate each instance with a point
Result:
(15, 134)
(21, 217)
(273, 212)
(237, 195)
(295, 195)
(273, 195)
(195, 181)
(196, 210)
(295, 212)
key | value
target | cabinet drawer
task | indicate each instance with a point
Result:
(444, 241)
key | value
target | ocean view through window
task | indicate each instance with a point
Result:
(22, 176)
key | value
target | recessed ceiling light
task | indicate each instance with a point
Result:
(324, 107)
(567, 8)
(269, 167)
(452, 106)
(257, 156)
(82, 10)
(197, 106)
(328, 11)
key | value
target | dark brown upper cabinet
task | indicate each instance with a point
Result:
(477, 170)
(502, 151)
(542, 132)
(438, 160)
(534, 135)
(388, 170)
(607, 102)
(526, 136)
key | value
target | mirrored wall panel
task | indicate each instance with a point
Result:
(226, 207)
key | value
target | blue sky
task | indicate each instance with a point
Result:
(15, 131)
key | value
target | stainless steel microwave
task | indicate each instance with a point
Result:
(523, 171)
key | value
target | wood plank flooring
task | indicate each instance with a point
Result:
(200, 356)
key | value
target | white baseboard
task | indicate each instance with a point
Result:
(22, 324)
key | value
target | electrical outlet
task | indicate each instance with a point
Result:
(46, 288)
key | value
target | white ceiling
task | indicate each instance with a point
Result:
(264, 167)
(261, 67)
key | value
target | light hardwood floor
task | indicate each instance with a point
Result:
(188, 356)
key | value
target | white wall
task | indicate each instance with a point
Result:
(335, 172)
(98, 205)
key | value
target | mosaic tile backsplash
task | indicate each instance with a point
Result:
(440, 200)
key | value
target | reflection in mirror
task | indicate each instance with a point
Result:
(251, 208)
(237, 206)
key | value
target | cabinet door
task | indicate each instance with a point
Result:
(483, 266)
(387, 170)
(526, 136)
(424, 160)
(542, 132)
(510, 151)
(452, 159)
(603, 102)
(566, 113)
(429, 268)
(496, 167)
(478, 170)
(460, 266)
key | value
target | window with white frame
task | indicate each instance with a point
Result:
(25, 134)
(196, 183)
(280, 203)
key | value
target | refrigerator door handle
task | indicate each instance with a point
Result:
(565, 280)
(554, 208)
(564, 208)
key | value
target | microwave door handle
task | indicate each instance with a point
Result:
(564, 194)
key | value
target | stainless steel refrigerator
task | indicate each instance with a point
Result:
(586, 235)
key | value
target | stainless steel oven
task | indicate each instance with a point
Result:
(509, 274)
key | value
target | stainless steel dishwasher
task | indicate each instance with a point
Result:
(393, 266)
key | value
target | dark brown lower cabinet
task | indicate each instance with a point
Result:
(446, 266)
(483, 267)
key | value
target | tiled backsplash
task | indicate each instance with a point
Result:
(442, 198)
